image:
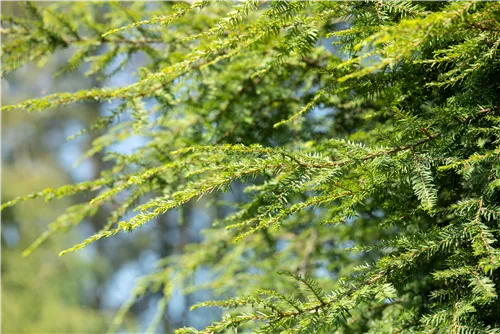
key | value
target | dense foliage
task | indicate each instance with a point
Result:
(360, 141)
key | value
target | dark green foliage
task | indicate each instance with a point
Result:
(368, 171)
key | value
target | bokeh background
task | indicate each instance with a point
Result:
(80, 292)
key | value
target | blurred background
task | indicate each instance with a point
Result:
(80, 292)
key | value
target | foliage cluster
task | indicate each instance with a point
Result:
(361, 141)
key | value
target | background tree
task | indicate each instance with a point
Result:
(359, 141)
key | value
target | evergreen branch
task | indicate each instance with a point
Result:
(486, 239)
(423, 186)
(311, 286)
(306, 108)
(163, 20)
(64, 191)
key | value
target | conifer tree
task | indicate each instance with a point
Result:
(360, 141)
